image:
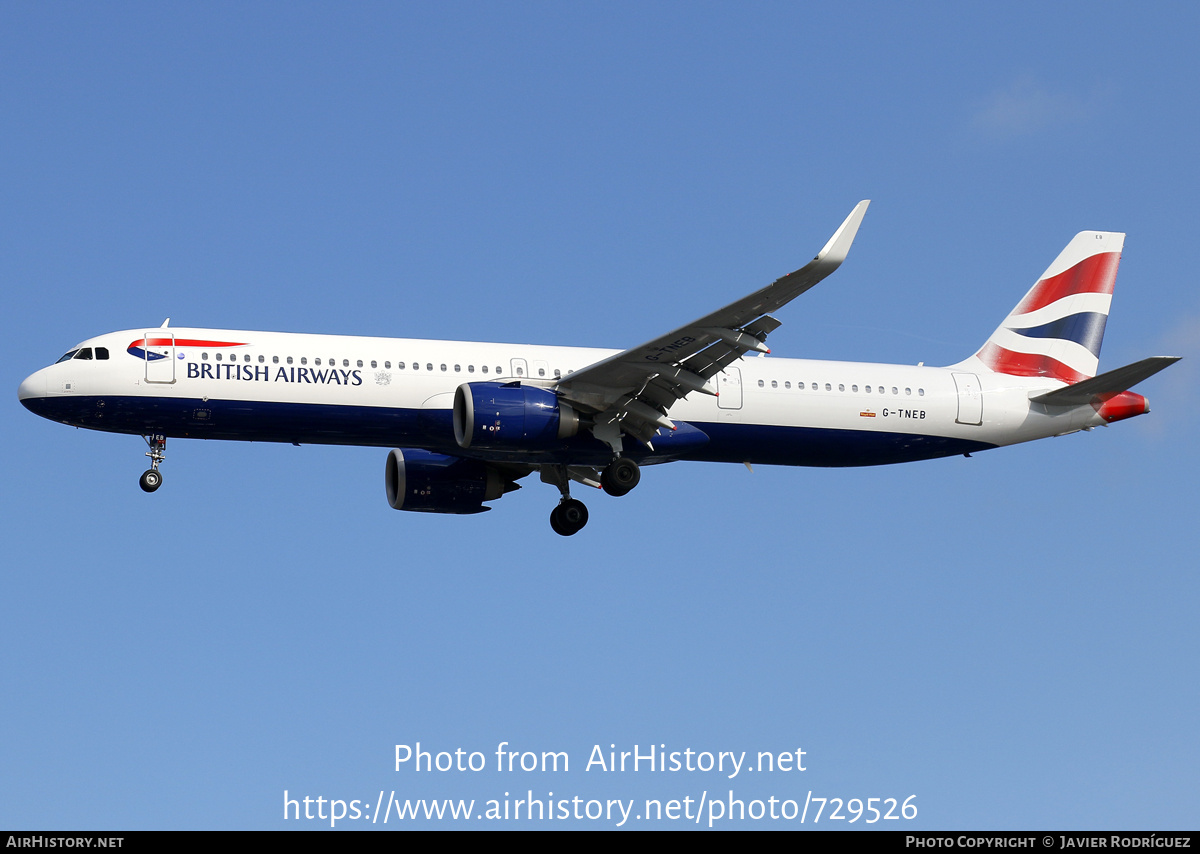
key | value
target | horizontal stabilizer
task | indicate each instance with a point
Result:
(1111, 382)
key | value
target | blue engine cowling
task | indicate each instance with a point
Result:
(436, 483)
(511, 417)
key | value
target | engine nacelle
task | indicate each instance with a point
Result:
(511, 417)
(436, 483)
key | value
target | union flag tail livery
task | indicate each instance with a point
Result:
(466, 420)
(1056, 330)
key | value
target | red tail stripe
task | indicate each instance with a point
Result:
(1094, 275)
(1004, 361)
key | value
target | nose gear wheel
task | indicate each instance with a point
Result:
(151, 478)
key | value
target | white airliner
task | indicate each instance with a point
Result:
(467, 419)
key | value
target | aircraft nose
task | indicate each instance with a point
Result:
(32, 387)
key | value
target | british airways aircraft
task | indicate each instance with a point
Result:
(467, 420)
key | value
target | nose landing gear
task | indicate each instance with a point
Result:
(151, 478)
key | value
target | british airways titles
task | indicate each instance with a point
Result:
(262, 373)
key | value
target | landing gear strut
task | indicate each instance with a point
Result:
(570, 515)
(620, 476)
(151, 478)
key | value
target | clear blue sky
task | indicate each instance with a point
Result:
(1012, 637)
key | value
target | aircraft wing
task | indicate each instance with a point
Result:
(633, 390)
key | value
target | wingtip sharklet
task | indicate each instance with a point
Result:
(835, 251)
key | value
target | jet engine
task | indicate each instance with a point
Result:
(436, 483)
(511, 417)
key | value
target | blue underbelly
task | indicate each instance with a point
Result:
(387, 427)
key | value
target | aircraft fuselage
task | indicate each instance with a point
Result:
(385, 392)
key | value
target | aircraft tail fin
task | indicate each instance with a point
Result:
(1056, 330)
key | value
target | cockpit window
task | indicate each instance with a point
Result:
(66, 357)
(101, 352)
(84, 353)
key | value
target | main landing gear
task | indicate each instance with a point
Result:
(620, 476)
(151, 478)
(569, 517)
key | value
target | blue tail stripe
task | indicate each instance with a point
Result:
(1085, 329)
